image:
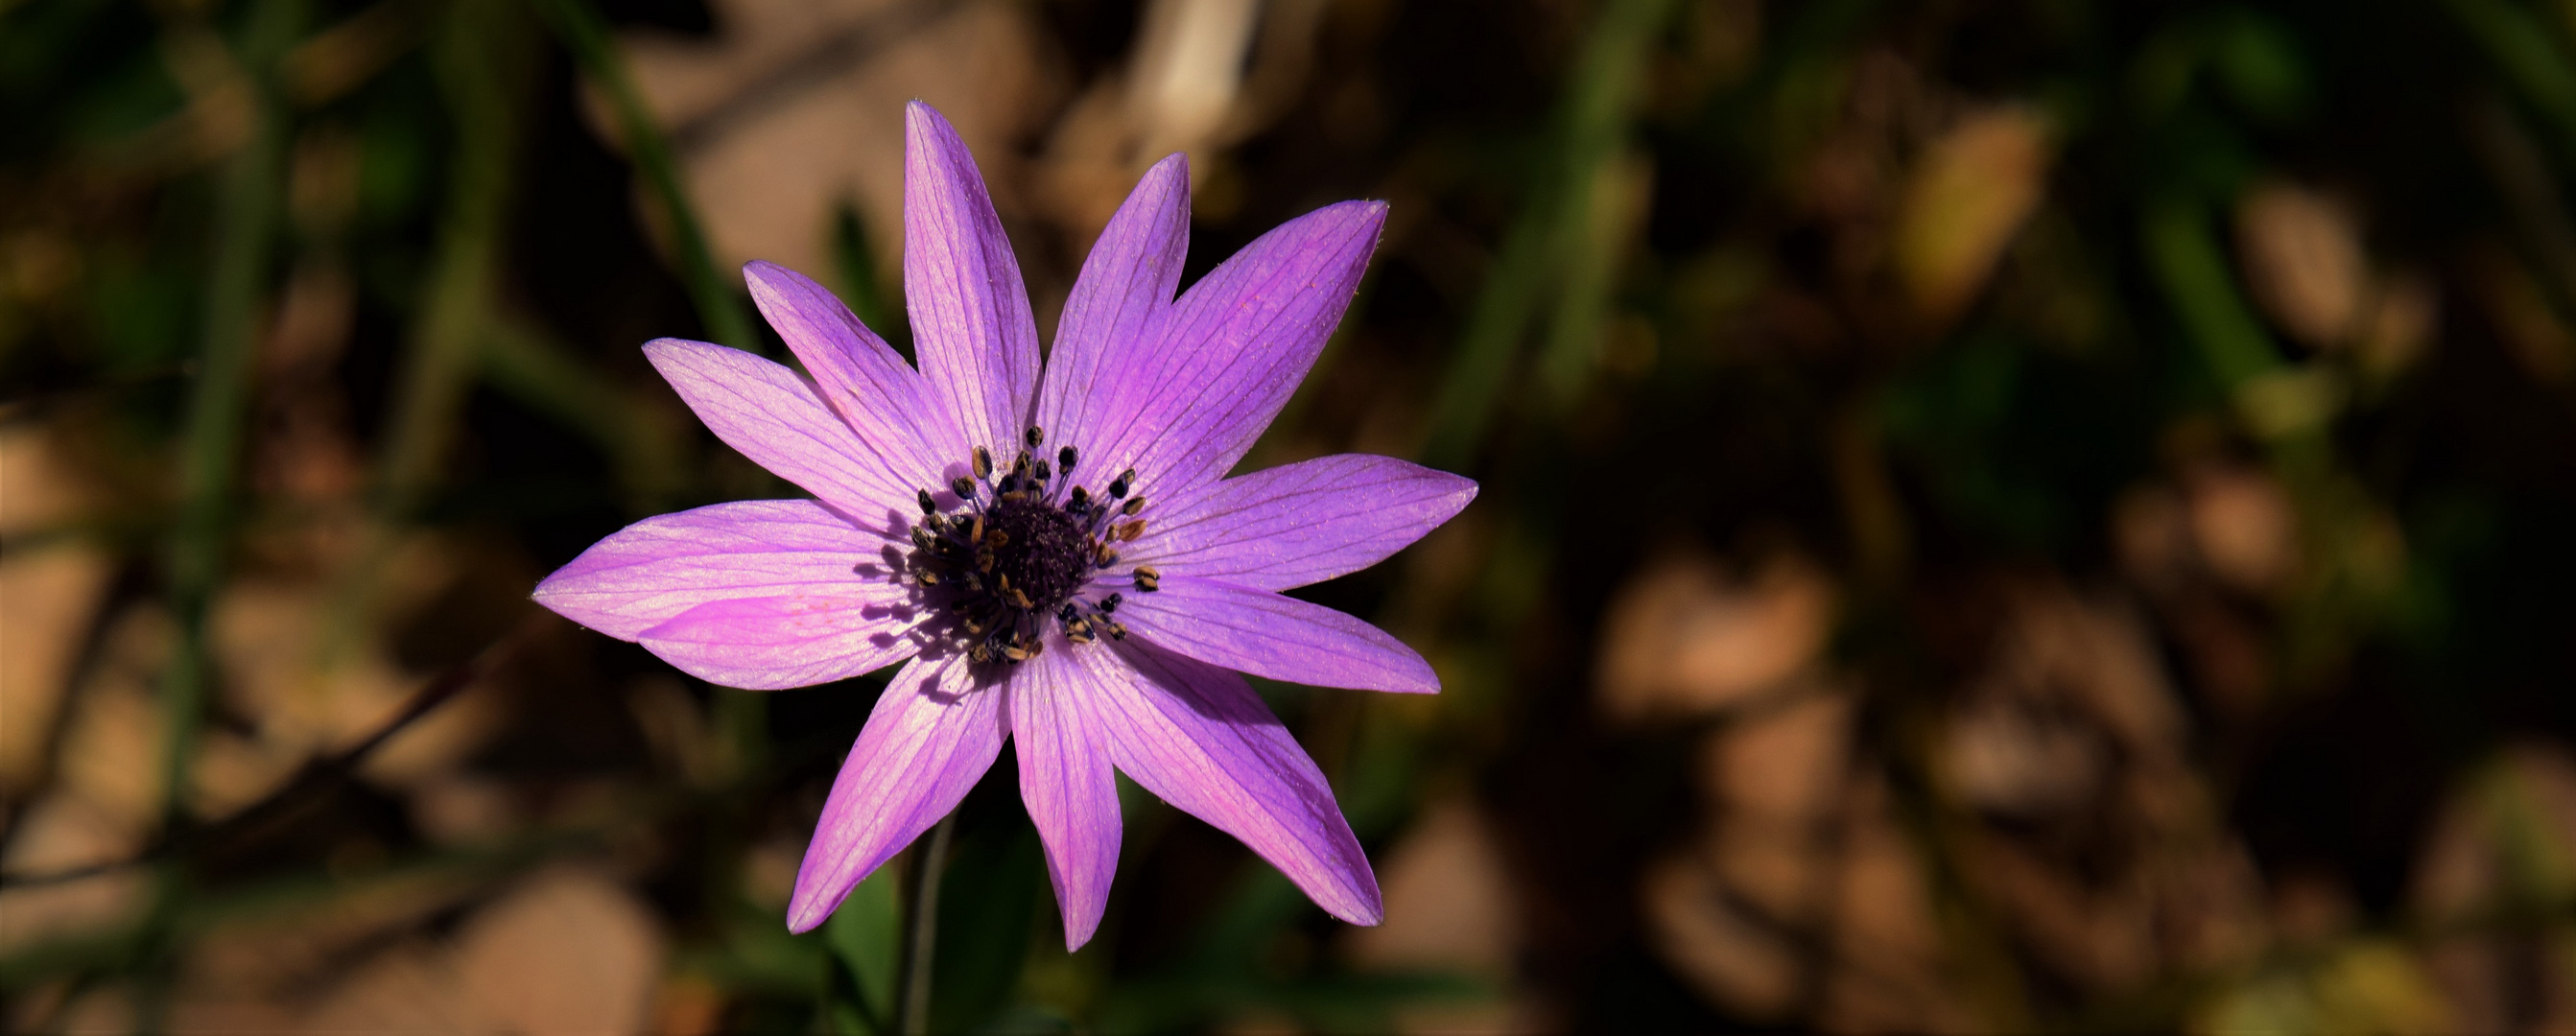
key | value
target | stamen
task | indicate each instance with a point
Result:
(1013, 554)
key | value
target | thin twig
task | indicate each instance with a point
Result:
(318, 776)
(912, 1003)
(585, 34)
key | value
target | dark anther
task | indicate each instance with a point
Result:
(1010, 554)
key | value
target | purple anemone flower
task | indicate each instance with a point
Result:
(1056, 557)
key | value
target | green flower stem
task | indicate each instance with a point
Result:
(585, 34)
(1559, 251)
(912, 1001)
(483, 56)
(245, 245)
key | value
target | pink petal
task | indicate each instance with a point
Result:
(862, 378)
(1118, 302)
(650, 572)
(932, 735)
(790, 640)
(1198, 737)
(1232, 349)
(1066, 782)
(1265, 634)
(970, 315)
(1299, 523)
(769, 414)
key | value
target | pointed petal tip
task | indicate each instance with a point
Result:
(1076, 940)
(811, 905)
(769, 283)
(1175, 164)
(1370, 909)
(920, 119)
(761, 275)
(659, 348)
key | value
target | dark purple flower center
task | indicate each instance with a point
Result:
(1020, 549)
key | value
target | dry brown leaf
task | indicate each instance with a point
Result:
(60, 832)
(1734, 913)
(1969, 193)
(271, 639)
(777, 127)
(1889, 966)
(2243, 526)
(2303, 261)
(2402, 325)
(568, 952)
(1196, 83)
(1713, 939)
(412, 987)
(1686, 637)
(2111, 866)
(49, 595)
(1449, 901)
(2507, 835)
(111, 751)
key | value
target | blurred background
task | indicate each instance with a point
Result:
(1997, 514)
